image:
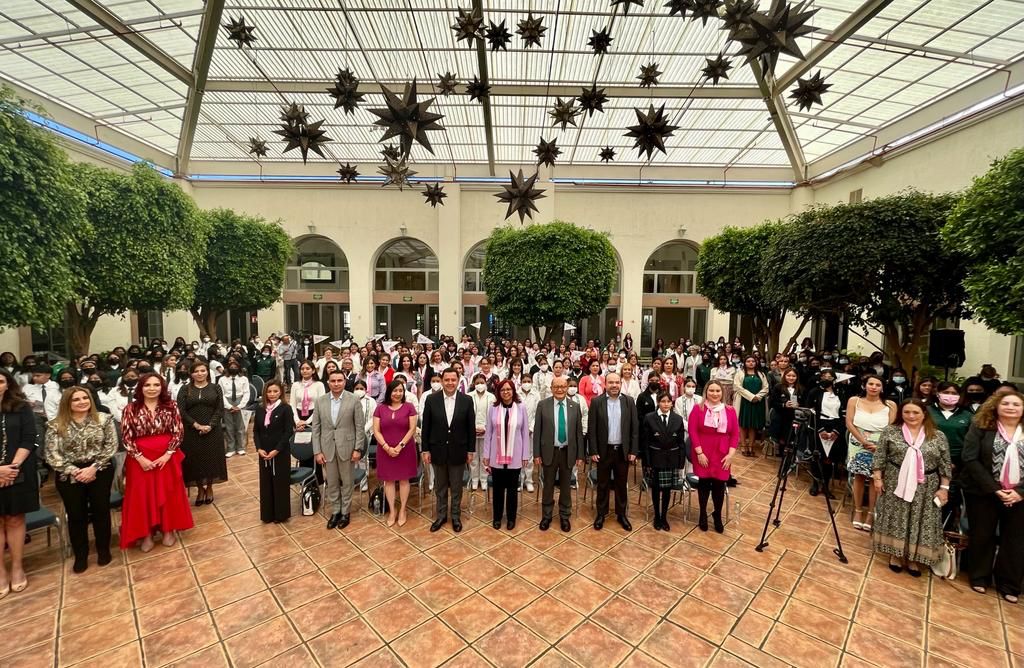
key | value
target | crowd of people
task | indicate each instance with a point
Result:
(506, 414)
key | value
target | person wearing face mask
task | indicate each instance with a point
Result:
(234, 387)
(265, 365)
(682, 407)
(179, 380)
(114, 368)
(954, 420)
(830, 409)
(647, 402)
(543, 376)
(117, 399)
(66, 379)
(530, 399)
(974, 394)
(481, 400)
(898, 389)
(43, 394)
(435, 387)
(750, 390)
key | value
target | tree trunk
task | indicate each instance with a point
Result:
(80, 327)
(796, 334)
(206, 320)
(904, 344)
(774, 332)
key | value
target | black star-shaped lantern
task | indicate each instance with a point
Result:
(395, 172)
(651, 130)
(520, 195)
(240, 33)
(348, 173)
(434, 193)
(407, 118)
(390, 152)
(294, 114)
(592, 99)
(600, 40)
(531, 30)
(564, 113)
(345, 91)
(704, 10)
(257, 147)
(607, 154)
(547, 152)
(626, 3)
(649, 74)
(679, 7)
(302, 135)
(775, 32)
(468, 26)
(736, 16)
(808, 92)
(498, 36)
(477, 90)
(717, 68)
(446, 83)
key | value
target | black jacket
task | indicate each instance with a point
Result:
(597, 432)
(646, 403)
(662, 448)
(976, 476)
(448, 445)
(278, 434)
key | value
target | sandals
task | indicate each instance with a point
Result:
(857, 524)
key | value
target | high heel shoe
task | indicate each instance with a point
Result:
(702, 522)
(200, 501)
(719, 527)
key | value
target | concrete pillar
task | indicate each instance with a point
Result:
(632, 295)
(450, 260)
(360, 290)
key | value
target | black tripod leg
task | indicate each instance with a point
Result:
(838, 551)
(780, 486)
(782, 495)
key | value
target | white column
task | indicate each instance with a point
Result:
(450, 260)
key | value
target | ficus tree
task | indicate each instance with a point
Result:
(244, 266)
(42, 221)
(149, 241)
(548, 274)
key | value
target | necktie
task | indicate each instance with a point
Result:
(234, 391)
(664, 420)
(561, 423)
(43, 388)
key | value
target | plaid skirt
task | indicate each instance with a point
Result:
(663, 478)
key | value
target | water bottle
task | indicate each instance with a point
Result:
(736, 509)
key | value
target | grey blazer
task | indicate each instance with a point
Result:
(544, 431)
(339, 438)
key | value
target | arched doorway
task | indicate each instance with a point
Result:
(672, 306)
(316, 294)
(405, 285)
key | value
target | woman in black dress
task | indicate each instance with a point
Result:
(201, 405)
(19, 486)
(273, 426)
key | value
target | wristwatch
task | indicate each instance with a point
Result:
(945, 487)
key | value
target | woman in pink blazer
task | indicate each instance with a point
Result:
(506, 450)
(714, 434)
(592, 385)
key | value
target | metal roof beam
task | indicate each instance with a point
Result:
(497, 90)
(200, 67)
(115, 25)
(850, 25)
(927, 50)
(782, 122)
(24, 40)
(481, 57)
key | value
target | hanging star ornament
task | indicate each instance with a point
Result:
(498, 36)
(704, 10)
(808, 92)
(257, 147)
(396, 172)
(240, 33)
(736, 16)
(564, 113)
(304, 136)
(434, 194)
(651, 130)
(294, 114)
(407, 118)
(345, 91)
(626, 4)
(547, 152)
(531, 30)
(774, 32)
(717, 68)
(477, 90)
(600, 40)
(649, 74)
(607, 154)
(446, 83)
(390, 152)
(468, 26)
(592, 99)
(521, 195)
(348, 173)
(679, 7)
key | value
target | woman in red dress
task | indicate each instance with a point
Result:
(155, 498)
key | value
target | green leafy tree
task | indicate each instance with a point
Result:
(244, 268)
(988, 226)
(732, 277)
(881, 262)
(150, 239)
(42, 221)
(548, 274)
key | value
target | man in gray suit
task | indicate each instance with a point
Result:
(613, 443)
(558, 446)
(338, 442)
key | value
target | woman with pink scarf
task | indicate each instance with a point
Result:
(911, 471)
(506, 450)
(714, 434)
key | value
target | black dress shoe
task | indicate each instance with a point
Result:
(719, 527)
(510, 525)
(438, 523)
(80, 565)
(566, 527)
(345, 519)
(599, 523)
(208, 500)
(664, 525)
(456, 526)
(332, 523)
(496, 524)
(199, 501)
(702, 523)
(545, 524)
(814, 488)
(732, 482)
(103, 558)
(624, 523)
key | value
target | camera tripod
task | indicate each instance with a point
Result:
(800, 435)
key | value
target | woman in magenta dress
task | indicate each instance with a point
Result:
(154, 496)
(714, 434)
(394, 425)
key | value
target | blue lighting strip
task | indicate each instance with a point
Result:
(322, 178)
(83, 138)
(705, 183)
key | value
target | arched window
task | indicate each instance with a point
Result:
(318, 264)
(672, 269)
(473, 272)
(406, 265)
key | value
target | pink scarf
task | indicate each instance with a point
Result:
(1010, 476)
(505, 438)
(912, 468)
(270, 410)
(306, 401)
(715, 418)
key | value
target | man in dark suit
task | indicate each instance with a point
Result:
(558, 446)
(448, 439)
(613, 442)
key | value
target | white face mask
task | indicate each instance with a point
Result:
(480, 388)
(544, 367)
(436, 387)
(360, 393)
(688, 391)
(572, 391)
(526, 387)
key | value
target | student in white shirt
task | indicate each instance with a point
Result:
(482, 401)
(683, 406)
(43, 393)
(435, 386)
(530, 398)
(573, 395)
(234, 387)
(117, 398)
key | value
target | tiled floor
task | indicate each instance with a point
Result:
(236, 592)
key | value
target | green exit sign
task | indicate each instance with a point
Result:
(318, 296)
(407, 298)
(673, 300)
